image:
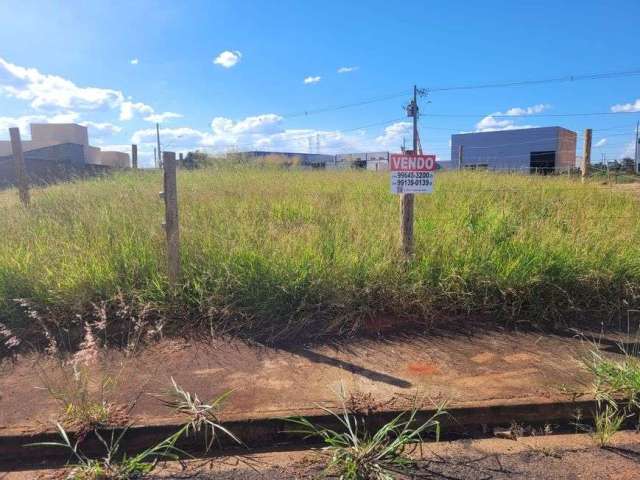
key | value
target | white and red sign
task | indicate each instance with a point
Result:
(412, 173)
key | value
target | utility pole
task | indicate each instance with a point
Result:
(586, 154)
(636, 151)
(460, 156)
(158, 141)
(155, 158)
(22, 180)
(408, 199)
(134, 156)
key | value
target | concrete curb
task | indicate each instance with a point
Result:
(275, 433)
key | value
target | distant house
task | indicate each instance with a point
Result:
(535, 150)
(58, 151)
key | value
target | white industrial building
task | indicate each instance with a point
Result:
(47, 138)
(535, 150)
(365, 160)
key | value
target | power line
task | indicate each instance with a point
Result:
(519, 83)
(532, 115)
(382, 98)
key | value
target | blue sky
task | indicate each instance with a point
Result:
(118, 66)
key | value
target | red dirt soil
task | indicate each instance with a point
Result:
(465, 370)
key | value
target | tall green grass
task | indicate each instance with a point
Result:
(278, 254)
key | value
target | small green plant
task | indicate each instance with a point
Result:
(613, 380)
(110, 467)
(357, 454)
(114, 467)
(616, 377)
(82, 389)
(202, 416)
(608, 420)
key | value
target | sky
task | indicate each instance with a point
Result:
(229, 75)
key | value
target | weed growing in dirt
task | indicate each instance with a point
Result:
(110, 467)
(614, 380)
(113, 466)
(607, 419)
(83, 398)
(356, 454)
(303, 255)
(82, 388)
(202, 416)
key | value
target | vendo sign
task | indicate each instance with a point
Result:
(412, 173)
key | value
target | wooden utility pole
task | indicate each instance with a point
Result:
(155, 158)
(134, 156)
(635, 157)
(172, 230)
(160, 159)
(586, 154)
(408, 199)
(460, 156)
(22, 180)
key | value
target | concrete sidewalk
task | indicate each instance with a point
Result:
(489, 369)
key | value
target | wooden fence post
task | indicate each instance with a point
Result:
(171, 225)
(22, 180)
(134, 156)
(406, 227)
(586, 155)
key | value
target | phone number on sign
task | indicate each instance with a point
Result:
(413, 174)
(414, 182)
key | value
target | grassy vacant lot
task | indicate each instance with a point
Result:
(281, 255)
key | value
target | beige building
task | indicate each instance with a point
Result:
(51, 134)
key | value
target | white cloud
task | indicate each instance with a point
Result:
(129, 109)
(97, 129)
(162, 117)
(348, 69)
(627, 107)
(492, 124)
(392, 136)
(601, 143)
(265, 123)
(495, 121)
(53, 92)
(228, 59)
(134, 61)
(183, 136)
(310, 80)
(56, 94)
(517, 111)
(260, 132)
